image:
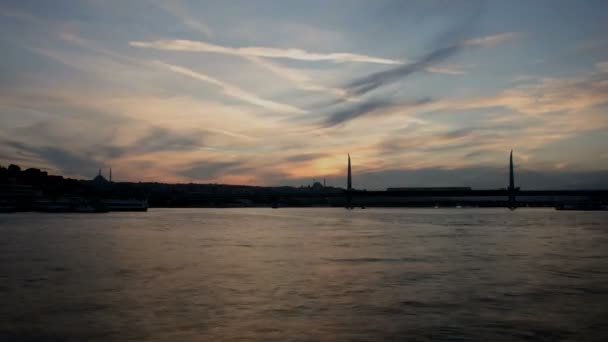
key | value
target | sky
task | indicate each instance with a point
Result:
(420, 93)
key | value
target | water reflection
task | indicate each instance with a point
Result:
(304, 274)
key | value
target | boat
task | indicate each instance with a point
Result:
(5, 209)
(62, 205)
(126, 205)
(89, 207)
(582, 207)
(69, 205)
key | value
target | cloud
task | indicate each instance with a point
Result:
(176, 10)
(159, 139)
(561, 107)
(429, 61)
(370, 82)
(492, 39)
(232, 90)
(46, 141)
(476, 153)
(260, 51)
(301, 80)
(20, 15)
(208, 170)
(350, 113)
(444, 69)
(548, 95)
(104, 65)
(370, 107)
(68, 162)
(305, 157)
(602, 66)
(78, 40)
(434, 141)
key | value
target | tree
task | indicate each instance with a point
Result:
(14, 170)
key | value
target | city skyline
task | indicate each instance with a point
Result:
(276, 93)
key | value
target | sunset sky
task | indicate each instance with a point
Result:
(420, 93)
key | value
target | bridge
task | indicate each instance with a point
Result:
(503, 197)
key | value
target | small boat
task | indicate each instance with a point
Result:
(582, 207)
(89, 208)
(126, 205)
(5, 209)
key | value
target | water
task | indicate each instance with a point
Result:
(305, 275)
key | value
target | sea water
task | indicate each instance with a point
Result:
(315, 274)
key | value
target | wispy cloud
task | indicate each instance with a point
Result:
(371, 107)
(541, 98)
(175, 9)
(375, 80)
(370, 82)
(306, 157)
(261, 51)
(232, 90)
(162, 139)
(549, 95)
(602, 66)
(85, 43)
(492, 40)
(63, 159)
(366, 84)
(209, 170)
(17, 14)
(300, 79)
(443, 69)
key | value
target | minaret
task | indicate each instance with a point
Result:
(349, 187)
(349, 181)
(511, 190)
(511, 177)
(110, 175)
(99, 172)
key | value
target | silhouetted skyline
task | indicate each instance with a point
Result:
(36, 190)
